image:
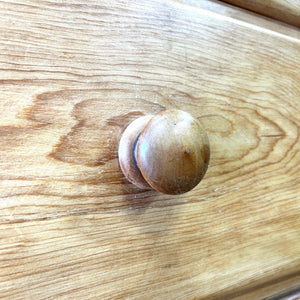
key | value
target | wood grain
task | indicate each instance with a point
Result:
(287, 11)
(72, 76)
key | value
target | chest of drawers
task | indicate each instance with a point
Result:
(73, 75)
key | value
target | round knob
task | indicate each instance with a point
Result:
(168, 152)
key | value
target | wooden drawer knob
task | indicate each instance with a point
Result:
(168, 152)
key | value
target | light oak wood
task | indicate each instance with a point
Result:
(73, 75)
(287, 11)
(243, 17)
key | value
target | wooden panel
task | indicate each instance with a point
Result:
(287, 11)
(244, 17)
(73, 75)
(290, 295)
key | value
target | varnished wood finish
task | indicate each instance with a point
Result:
(172, 152)
(73, 75)
(287, 11)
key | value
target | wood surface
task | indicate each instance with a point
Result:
(287, 11)
(73, 74)
(243, 17)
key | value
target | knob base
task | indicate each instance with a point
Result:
(126, 152)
